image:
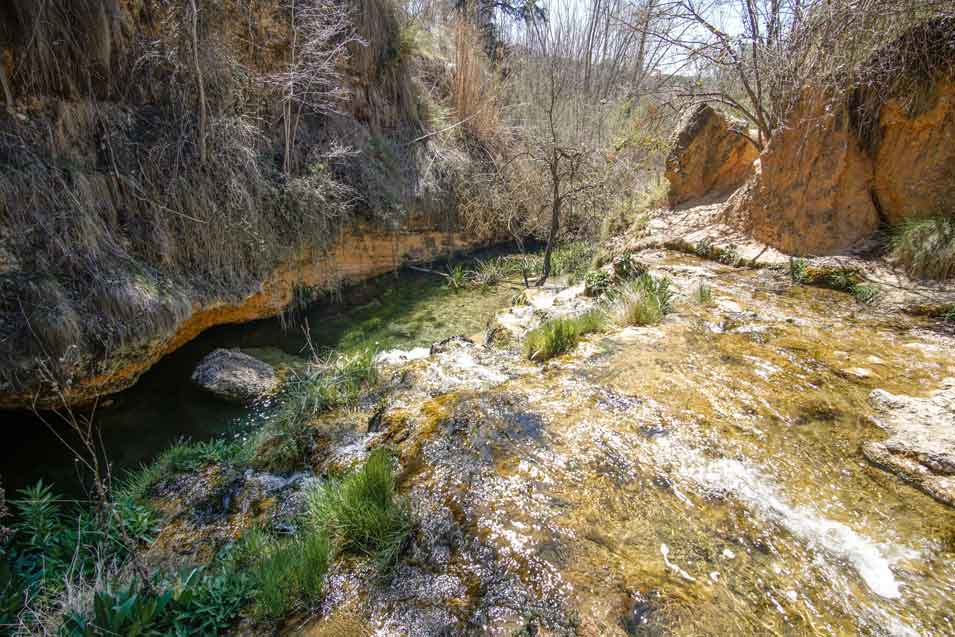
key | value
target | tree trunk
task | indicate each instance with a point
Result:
(199, 81)
(7, 87)
(551, 238)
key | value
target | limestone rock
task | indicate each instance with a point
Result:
(708, 157)
(811, 193)
(234, 376)
(921, 444)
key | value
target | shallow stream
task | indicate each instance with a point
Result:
(404, 310)
(700, 477)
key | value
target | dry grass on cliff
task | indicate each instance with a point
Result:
(925, 246)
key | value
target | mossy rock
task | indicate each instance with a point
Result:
(832, 276)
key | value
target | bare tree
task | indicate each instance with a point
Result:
(200, 83)
(562, 123)
(320, 32)
(756, 57)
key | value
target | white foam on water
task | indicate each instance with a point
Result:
(399, 356)
(728, 476)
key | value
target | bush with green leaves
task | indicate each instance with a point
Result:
(198, 603)
(559, 335)
(363, 512)
(596, 282)
(644, 301)
(925, 246)
(48, 544)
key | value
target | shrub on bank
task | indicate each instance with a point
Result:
(925, 246)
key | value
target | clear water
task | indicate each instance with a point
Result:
(703, 476)
(404, 310)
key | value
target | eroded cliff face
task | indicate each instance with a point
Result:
(708, 157)
(358, 254)
(842, 165)
(915, 158)
(811, 194)
(150, 188)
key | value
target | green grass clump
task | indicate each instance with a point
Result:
(559, 335)
(703, 294)
(645, 301)
(363, 513)
(572, 259)
(287, 574)
(338, 381)
(181, 457)
(925, 246)
(865, 293)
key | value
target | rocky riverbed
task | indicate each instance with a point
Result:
(719, 473)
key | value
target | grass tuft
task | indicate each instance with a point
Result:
(645, 301)
(559, 335)
(925, 246)
(183, 456)
(338, 381)
(363, 513)
(703, 294)
(287, 574)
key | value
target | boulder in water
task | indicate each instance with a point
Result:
(234, 376)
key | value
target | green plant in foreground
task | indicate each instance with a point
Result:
(703, 294)
(925, 246)
(289, 573)
(645, 301)
(50, 544)
(559, 335)
(596, 282)
(797, 269)
(197, 604)
(363, 512)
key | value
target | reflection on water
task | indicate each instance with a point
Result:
(412, 308)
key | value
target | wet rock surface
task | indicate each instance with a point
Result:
(234, 376)
(921, 443)
(700, 476)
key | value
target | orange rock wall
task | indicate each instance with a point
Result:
(812, 192)
(915, 160)
(707, 158)
(358, 255)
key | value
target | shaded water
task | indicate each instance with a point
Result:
(704, 476)
(408, 309)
